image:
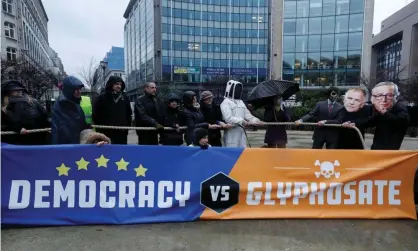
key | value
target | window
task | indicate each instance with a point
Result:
(11, 53)
(289, 27)
(343, 7)
(290, 9)
(327, 43)
(356, 6)
(341, 24)
(356, 22)
(315, 8)
(354, 41)
(315, 25)
(7, 6)
(328, 7)
(302, 8)
(302, 26)
(9, 30)
(328, 24)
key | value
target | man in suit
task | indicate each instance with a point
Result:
(325, 112)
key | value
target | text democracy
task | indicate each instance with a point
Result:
(105, 194)
(351, 193)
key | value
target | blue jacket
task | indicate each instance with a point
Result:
(68, 118)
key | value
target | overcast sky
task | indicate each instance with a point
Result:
(81, 29)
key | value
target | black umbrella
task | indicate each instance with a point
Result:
(263, 92)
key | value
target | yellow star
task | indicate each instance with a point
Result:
(63, 170)
(102, 161)
(140, 171)
(122, 165)
(82, 164)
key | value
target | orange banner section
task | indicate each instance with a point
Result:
(301, 183)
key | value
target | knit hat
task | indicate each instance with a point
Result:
(206, 95)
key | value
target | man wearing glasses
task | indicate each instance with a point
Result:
(390, 118)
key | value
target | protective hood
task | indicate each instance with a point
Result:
(188, 98)
(233, 90)
(69, 84)
(113, 80)
(198, 134)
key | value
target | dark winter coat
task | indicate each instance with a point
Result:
(147, 114)
(68, 118)
(23, 112)
(113, 109)
(390, 128)
(349, 138)
(170, 118)
(212, 115)
(275, 135)
(193, 118)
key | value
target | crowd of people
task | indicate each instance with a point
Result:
(71, 124)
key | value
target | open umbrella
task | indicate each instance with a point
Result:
(263, 92)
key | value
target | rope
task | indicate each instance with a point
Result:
(184, 127)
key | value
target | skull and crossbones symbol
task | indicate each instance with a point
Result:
(327, 169)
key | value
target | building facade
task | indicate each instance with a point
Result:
(321, 42)
(24, 35)
(115, 60)
(196, 40)
(395, 48)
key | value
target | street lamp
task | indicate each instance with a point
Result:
(103, 64)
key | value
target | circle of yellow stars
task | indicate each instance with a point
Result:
(102, 161)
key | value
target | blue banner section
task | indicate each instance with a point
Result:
(86, 184)
(215, 71)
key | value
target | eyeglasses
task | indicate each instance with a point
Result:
(384, 96)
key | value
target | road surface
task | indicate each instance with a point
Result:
(263, 235)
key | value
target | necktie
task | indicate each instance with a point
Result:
(329, 108)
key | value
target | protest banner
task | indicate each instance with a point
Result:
(114, 184)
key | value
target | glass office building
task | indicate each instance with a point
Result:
(196, 40)
(322, 41)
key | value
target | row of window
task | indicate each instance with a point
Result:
(214, 16)
(324, 25)
(314, 8)
(241, 3)
(223, 63)
(313, 78)
(213, 32)
(316, 43)
(223, 48)
(328, 60)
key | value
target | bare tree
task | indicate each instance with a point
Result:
(409, 90)
(36, 79)
(90, 74)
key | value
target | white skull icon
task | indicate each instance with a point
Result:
(327, 169)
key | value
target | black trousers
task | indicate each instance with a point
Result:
(325, 136)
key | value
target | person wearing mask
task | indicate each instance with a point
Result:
(326, 112)
(390, 118)
(200, 138)
(354, 110)
(112, 108)
(21, 113)
(148, 114)
(68, 118)
(235, 112)
(276, 136)
(193, 117)
(172, 118)
(213, 115)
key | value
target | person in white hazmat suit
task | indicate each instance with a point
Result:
(236, 113)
